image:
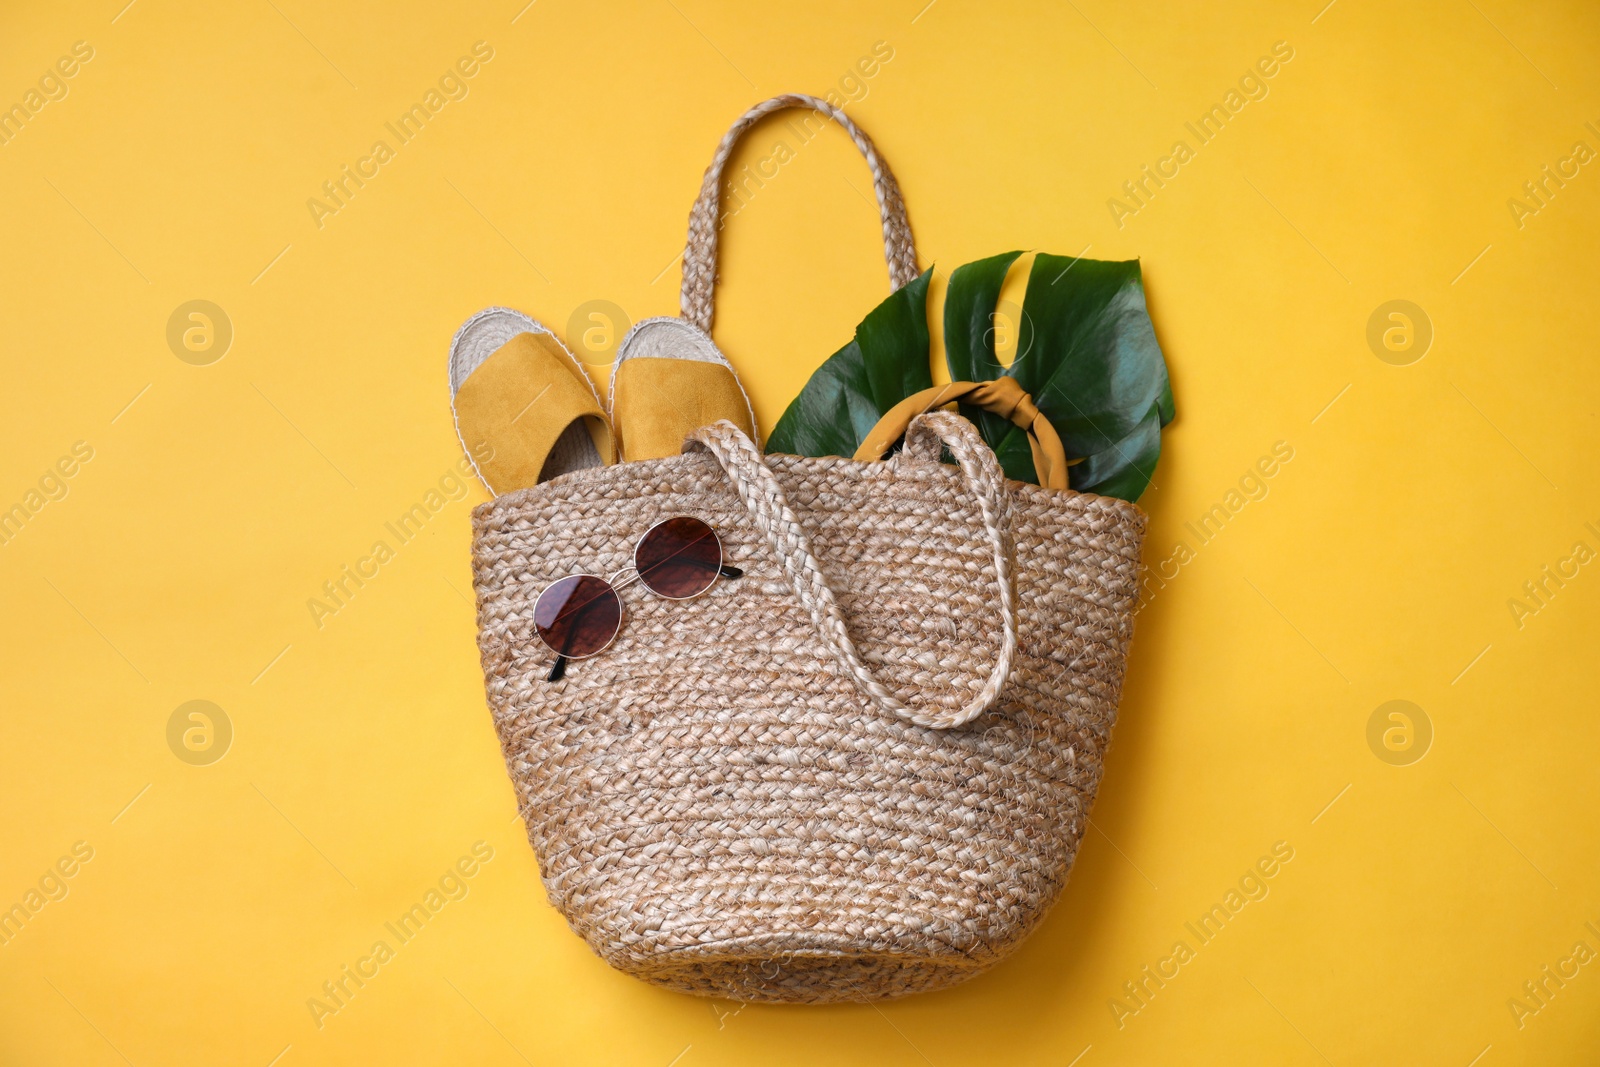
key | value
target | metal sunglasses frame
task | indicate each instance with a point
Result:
(616, 588)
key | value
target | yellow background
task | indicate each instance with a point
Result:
(363, 763)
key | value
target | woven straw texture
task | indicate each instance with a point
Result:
(721, 804)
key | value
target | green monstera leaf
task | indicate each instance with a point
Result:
(845, 398)
(1086, 352)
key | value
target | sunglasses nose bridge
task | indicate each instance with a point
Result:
(619, 586)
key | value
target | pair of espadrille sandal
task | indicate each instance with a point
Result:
(526, 410)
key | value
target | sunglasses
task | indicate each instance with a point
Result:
(580, 615)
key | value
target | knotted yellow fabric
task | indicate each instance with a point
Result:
(1003, 397)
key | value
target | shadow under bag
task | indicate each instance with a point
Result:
(860, 771)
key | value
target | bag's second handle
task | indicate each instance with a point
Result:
(764, 498)
(1001, 396)
(700, 254)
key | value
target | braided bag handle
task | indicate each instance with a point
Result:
(700, 255)
(764, 497)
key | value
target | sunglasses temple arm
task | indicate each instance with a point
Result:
(727, 570)
(724, 569)
(559, 671)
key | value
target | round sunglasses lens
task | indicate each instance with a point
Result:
(679, 558)
(578, 615)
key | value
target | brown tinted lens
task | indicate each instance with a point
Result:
(578, 616)
(678, 558)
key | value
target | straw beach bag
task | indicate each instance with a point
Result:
(863, 769)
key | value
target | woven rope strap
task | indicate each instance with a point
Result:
(764, 497)
(700, 255)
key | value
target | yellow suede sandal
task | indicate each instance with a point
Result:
(525, 410)
(668, 381)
